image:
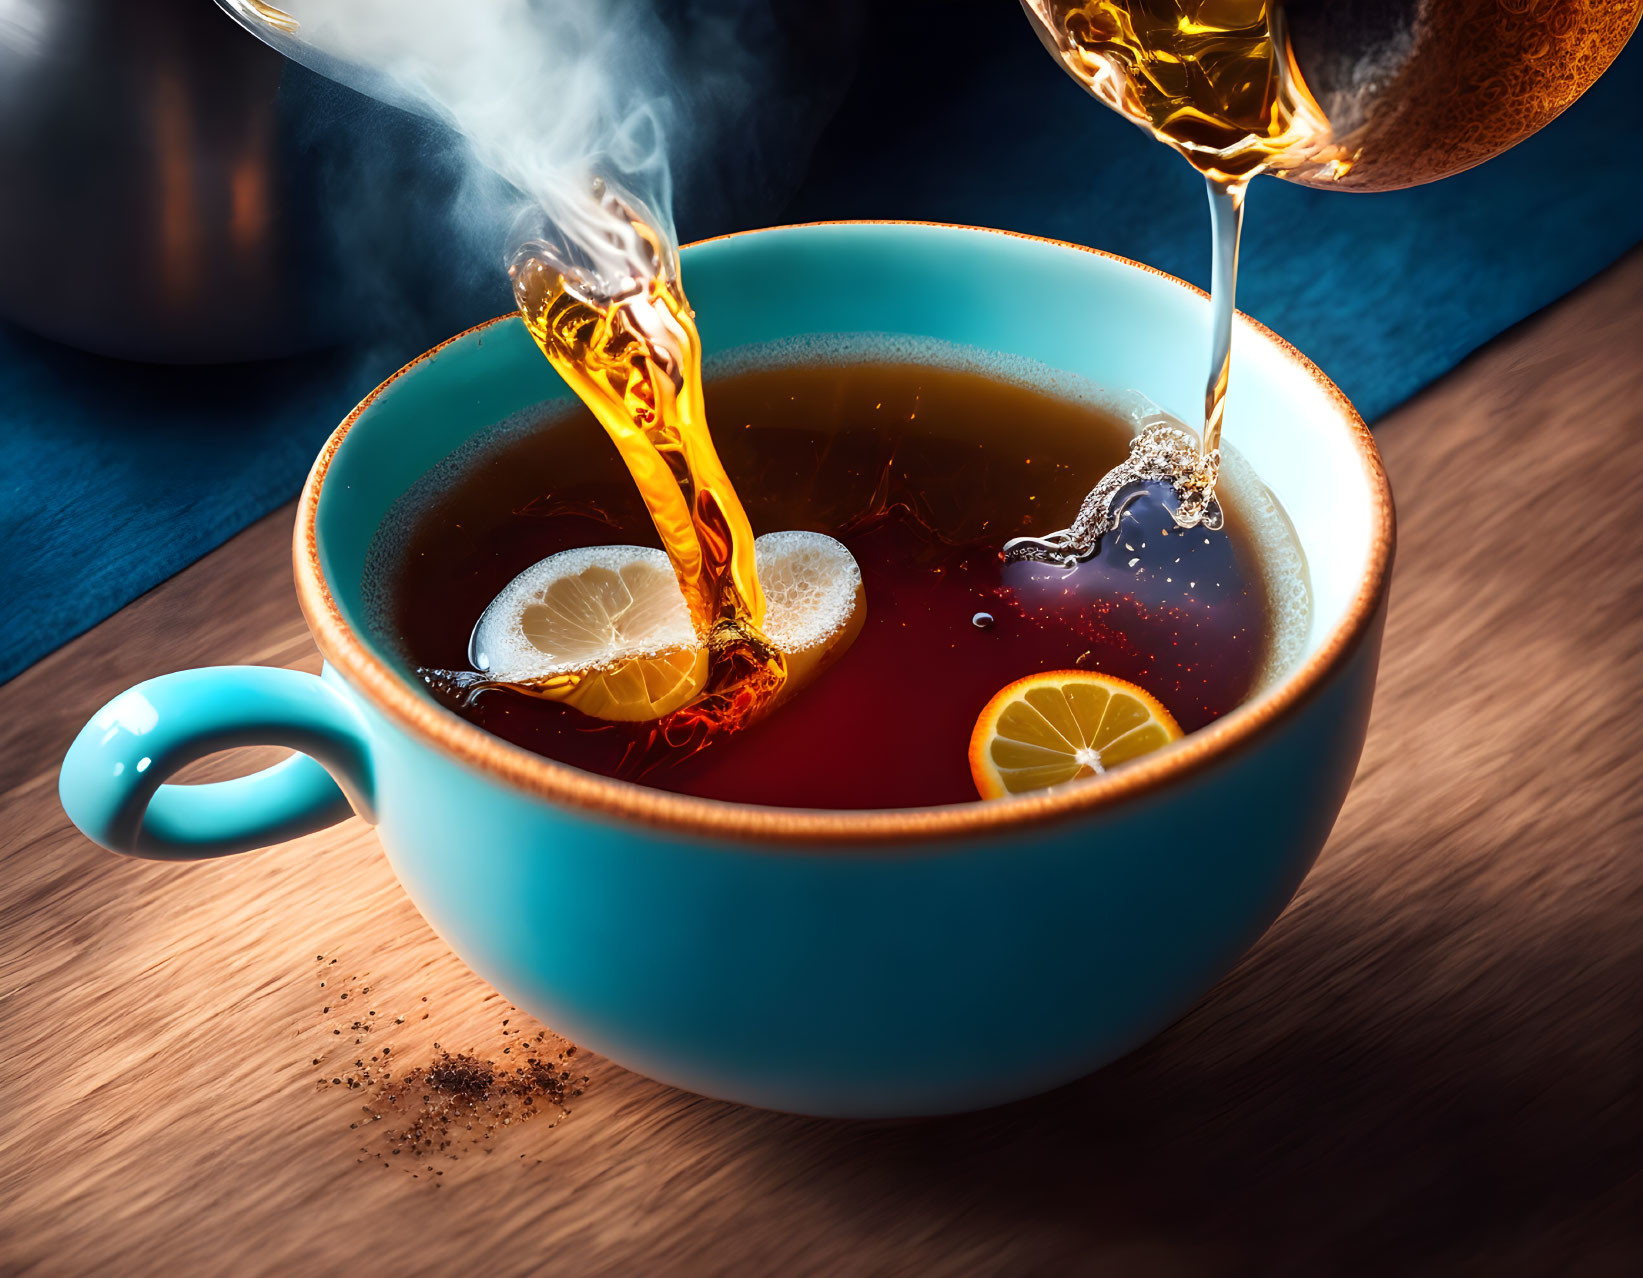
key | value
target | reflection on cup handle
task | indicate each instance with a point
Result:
(112, 780)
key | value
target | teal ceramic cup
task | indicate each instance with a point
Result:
(834, 963)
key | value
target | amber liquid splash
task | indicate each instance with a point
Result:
(635, 360)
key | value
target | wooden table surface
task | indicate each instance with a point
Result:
(1433, 1063)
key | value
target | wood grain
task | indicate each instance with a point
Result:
(1430, 1065)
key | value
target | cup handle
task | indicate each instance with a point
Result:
(111, 784)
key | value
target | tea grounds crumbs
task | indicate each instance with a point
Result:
(419, 1115)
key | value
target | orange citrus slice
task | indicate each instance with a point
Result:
(1048, 729)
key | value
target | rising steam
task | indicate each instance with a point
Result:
(567, 100)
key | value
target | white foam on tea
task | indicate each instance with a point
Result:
(844, 349)
(812, 588)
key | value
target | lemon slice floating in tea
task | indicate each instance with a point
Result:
(605, 628)
(1060, 726)
(815, 604)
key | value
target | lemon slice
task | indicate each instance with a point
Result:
(815, 604)
(605, 629)
(1048, 729)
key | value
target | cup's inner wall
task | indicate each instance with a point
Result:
(1122, 327)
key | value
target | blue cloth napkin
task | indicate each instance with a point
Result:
(115, 476)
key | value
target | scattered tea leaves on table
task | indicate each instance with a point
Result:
(422, 1114)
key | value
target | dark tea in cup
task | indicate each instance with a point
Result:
(922, 460)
